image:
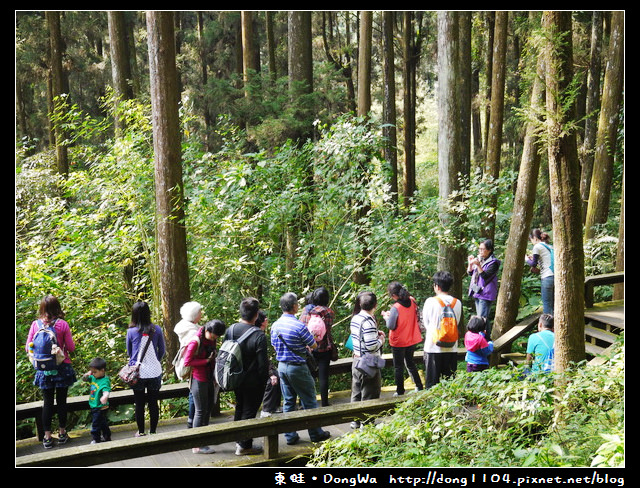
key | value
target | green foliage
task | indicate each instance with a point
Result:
(496, 418)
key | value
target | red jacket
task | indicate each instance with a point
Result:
(407, 331)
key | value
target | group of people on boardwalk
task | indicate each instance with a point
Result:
(297, 342)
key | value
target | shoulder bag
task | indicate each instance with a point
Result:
(130, 373)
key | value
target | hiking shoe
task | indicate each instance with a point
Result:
(322, 437)
(63, 438)
(47, 443)
(293, 440)
(242, 451)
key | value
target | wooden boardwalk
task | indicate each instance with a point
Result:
(224, 455)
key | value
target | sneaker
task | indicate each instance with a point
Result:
(202, 450)
(139, 434)
(264, 414)
(63, 438)
(293, 440)
(322, 437)
(247, 451)
(355, 424)
(47, 443)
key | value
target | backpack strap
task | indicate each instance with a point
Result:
(442, 304)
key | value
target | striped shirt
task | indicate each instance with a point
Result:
(370, 341)
(295, 334)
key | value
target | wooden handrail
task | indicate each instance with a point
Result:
(269, 428)
(590, 282)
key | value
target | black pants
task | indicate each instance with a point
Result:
(248, 400)
(403, 356)
(60, 395)
(439, 365)
(323, 359)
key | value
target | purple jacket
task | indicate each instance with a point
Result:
(485, 285)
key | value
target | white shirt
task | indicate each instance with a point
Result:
(431, 316)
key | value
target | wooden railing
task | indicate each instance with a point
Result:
(164, 442)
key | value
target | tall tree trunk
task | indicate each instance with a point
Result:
(494, 141)
(170, 226)
(389, 102)
(564, 179)
(409, 173)
(600, 192)
(57, 87)
(120, 67)
(465, 92)
(449, 161)
(364, 63)
(271, 45)
(361, 276)
(300, 84)
(248, 55)
(512, 269)
(592, 106)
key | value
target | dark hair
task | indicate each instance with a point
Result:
(546, 320)
(477, 323)
(215, 327)
(320, 296)
(288, 301)
(538, 234)
(396, 288)
(443, 279)
(98, 363)
(141, 317)
(261, 318)
(50, 309)
(488, 244)
(249, 308)
(366, 300)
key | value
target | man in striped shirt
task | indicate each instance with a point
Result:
(291, 339)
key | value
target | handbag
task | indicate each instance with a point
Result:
(368, 364)
(312, 364)
(130, 373)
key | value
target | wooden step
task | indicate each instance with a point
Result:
(603, 335)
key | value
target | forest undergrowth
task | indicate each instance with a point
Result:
(497, 418)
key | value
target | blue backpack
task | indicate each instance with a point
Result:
(43, 350)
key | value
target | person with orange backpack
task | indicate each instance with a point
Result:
(441, 315)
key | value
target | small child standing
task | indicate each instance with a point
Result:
(99, 399)
(478, 348)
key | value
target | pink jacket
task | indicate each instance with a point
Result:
(63, 335)
(196, 355)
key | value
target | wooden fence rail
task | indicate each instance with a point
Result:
(164, 442)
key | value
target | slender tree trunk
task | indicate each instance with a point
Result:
(564, 178)
(389, 102)
(513, 264)
(494, 142)
(57, 87)
(600, 192)
(361, 276)
(300, 84)
(170, 230)
(409, 174)
(592, 106)
(449, 161)
(120, 67)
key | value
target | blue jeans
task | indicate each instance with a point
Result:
(483, 308)
(296, 382)
(547, 289)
